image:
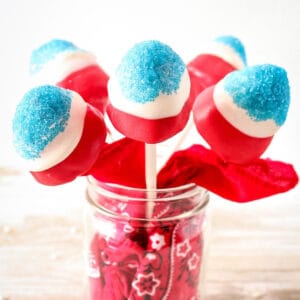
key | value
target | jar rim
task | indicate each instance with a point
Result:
(189, 190)
(190, 187)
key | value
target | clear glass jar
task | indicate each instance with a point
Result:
(145, 245)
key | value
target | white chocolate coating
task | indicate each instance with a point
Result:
(65, 142)
(225, 52)
(163, 106)
(239, 118)
(62, 66)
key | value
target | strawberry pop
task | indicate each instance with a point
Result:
(57, 134)
(239, 116)
(61, 63)
(222, 56)
(148, 93)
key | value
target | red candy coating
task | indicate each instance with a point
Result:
(91, 83)
(82, 157)
(228, 142)
(117, 160)
(197, 164)
(146, 130)
(206, 70)
(239, 183)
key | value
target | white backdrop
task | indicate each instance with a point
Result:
(269, 29)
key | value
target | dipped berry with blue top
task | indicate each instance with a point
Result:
(60, 62)
(218, 58)
(57, 134)
(148, 93)
(239, 116)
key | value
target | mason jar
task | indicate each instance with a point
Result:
(145, 244)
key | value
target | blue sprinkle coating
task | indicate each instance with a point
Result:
(148, 69)
(48, 51)
(262, 90)
(235, 44)
(41, 115)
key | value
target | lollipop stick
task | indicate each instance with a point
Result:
(150, 151)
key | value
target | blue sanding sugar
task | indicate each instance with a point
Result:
(148, 69)
(235, 44)
(41, 115)
(262, 90)
(48, 51)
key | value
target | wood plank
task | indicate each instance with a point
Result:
(254, 248)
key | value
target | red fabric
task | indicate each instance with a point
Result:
(187, 259)
(90, 83)
(240, 183)
(111, 266)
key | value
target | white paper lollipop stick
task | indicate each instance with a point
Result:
(150, 157)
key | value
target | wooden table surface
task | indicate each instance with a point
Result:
(254, 248)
